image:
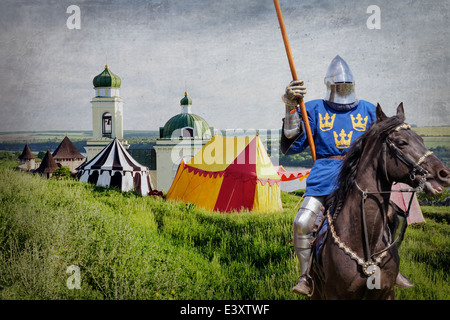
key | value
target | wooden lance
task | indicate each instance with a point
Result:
(295, 77)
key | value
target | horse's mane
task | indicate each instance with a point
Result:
(349, 167)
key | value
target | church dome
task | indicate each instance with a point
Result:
(107, 79)
(177, 126)
(186, 124)
(186, 100)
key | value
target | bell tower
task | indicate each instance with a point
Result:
(107, 113)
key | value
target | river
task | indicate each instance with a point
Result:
(289, 186)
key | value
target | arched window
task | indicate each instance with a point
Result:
(107, 125)
(187, 132)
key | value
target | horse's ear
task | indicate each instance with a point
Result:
(401, 112)
(380, 114)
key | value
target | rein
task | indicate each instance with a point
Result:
(415, 168)
(364, 264)
(363, 199)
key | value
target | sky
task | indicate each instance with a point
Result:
(228, 55)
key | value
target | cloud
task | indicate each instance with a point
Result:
(228, 53)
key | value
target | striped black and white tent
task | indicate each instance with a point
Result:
(115, 167)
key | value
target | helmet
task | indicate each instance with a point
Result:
(340, 82)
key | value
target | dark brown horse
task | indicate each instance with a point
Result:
(359, 241)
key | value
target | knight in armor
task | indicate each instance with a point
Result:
(335, 122)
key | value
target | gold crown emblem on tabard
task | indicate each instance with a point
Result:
(343, 143)
(360, 124)
(325, 123)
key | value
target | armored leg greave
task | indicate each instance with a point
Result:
(303, 228)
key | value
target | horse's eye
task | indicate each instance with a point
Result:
(402, 143)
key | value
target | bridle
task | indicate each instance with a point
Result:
(416, 168)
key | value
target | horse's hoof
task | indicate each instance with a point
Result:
(403, 282)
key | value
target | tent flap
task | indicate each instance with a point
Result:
(267, 198)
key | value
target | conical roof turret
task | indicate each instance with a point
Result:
(67, 150)
(26, 153)
(48, 164)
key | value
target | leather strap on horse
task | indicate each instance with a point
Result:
(416, 167)
(407, 160)
(364, 197)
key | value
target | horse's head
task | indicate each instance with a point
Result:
(406, 159)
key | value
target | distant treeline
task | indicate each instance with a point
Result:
(141, 147)
(443, 153)
(141, 152)
(39, 146)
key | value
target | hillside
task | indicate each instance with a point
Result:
(129, 247)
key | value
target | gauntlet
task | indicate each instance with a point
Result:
(292, 122)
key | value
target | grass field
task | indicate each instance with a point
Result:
(434, 136)
(43, 135)
(130, 247)
(433, 131)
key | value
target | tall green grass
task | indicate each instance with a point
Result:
(49, 225)
(425, 257)
(130, 247)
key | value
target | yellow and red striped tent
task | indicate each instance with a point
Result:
(229, 174)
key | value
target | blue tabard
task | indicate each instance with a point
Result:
(333, 132)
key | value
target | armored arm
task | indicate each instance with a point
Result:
(292, 123)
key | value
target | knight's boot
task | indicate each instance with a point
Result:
(303, 286)
(302, 237)
(401, 281)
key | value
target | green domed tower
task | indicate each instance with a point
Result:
(186, 101)
(106, 79)
(107, 112)
(182, 137)
(186, 124)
